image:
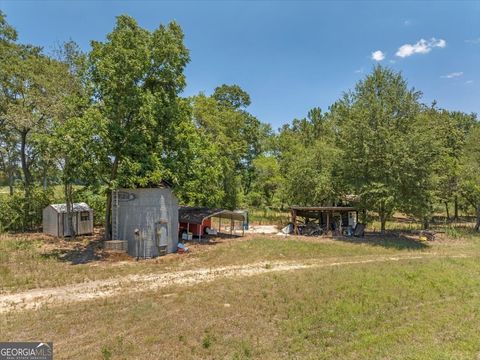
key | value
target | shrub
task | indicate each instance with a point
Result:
(23, 212)
(96, 199)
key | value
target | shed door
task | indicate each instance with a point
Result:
(161, 233)
(66, 228)
(84, 223)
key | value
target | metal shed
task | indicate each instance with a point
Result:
(147, 218)
(55, 219)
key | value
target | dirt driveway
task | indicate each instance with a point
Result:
(36, 298)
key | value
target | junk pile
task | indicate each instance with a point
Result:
(314, 229)
(427, 235)
(359, 230)
(287, 229)
(311, 229)
(182, 249)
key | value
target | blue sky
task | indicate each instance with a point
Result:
(290, 56)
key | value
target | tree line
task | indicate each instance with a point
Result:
(90, 122)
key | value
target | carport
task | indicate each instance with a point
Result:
(197, 219)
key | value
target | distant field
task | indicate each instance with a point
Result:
(376, 298)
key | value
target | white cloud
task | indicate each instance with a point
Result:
(359, 71)
(469, 82)
(473, 41)
(378, 55)
(407, 22)
(421, 47)
(452, 75)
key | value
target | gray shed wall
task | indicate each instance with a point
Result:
(148, 210)
(50, 221)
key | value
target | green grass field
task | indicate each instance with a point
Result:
(376, 298)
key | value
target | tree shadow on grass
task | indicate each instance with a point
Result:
(397, 241)
(211, 239)
(78, 254)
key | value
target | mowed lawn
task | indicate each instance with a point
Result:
(423, 308)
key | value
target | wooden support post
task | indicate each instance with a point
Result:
(294, 221)
(328, 222)
(231, 226)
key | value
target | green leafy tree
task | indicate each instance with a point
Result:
(232, 96)
(374, 124)
(419, 187)
(450, 130)
(469, 180)
(32, 91)
(137, 76)
(74, 132)
(308, 158)
(266, 182)
(237, 134)
(9, 157)
(8, 36)
(193, 162)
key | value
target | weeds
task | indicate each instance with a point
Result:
(106, 353)
(207, 341)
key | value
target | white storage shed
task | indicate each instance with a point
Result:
(55, 219)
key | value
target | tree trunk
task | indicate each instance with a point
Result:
(108, 207)
(26, 177)
(383, 222)
(108, 215)
(69, 203)
(477, 225)
(456, 208)
(68, 189)
(426, 223)
(383, 218)
(446, 209)
(45, 180)
(23, 158)
(10, 183)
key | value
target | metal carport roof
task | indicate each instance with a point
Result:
(196, 215)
